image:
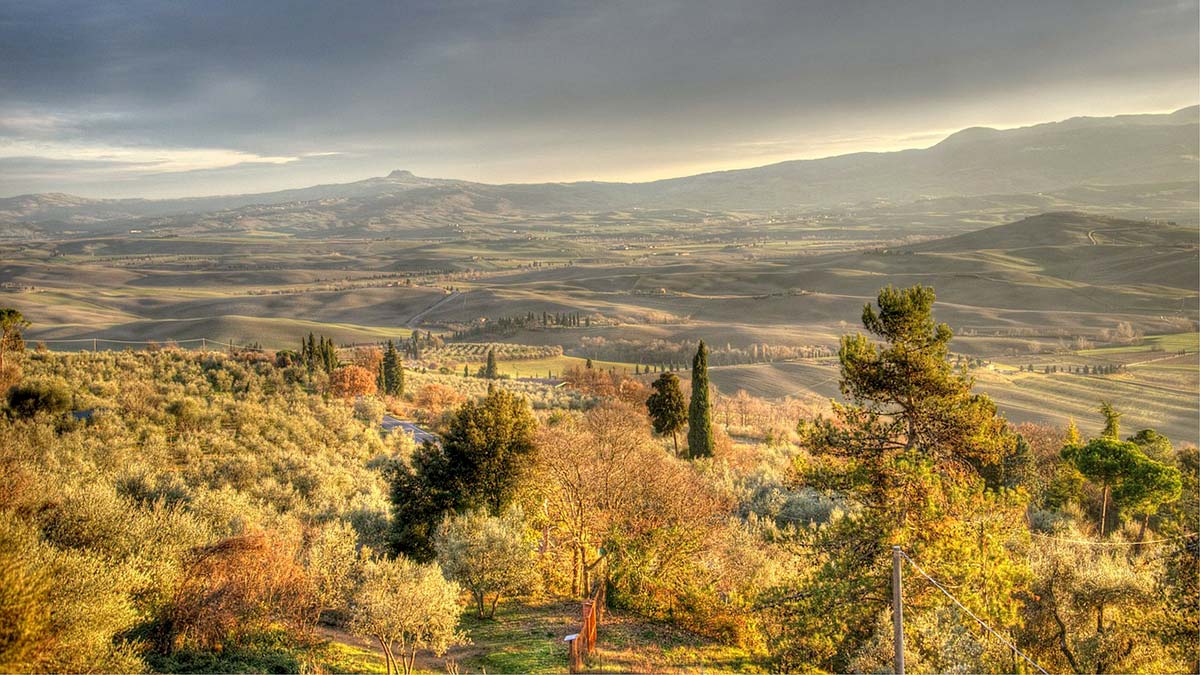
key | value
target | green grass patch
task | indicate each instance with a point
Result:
(1175, 342)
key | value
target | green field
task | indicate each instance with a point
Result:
(1177, 342)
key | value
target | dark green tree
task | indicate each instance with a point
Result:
(482, 463)
(491, 372)
(666, 406)
(392, 370)
(700, 433)
(32, 398)
(1013, 471)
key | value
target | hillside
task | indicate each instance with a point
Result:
(1156, 152)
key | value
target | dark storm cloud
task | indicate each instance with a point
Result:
(544, 89)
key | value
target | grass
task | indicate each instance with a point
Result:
(555, 364)
(527, 637)
(1172, 343)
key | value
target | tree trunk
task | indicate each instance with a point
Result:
(479, 603)
(412, 660)
(1142, 531)
(1104, 511)
(387, 661)
(675, 440)
(574, 570)
(495, 600)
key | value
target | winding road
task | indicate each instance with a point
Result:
(416, 318)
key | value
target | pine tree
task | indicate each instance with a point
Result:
(588, 365)
(700, 434)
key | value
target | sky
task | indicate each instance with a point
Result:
(180, 98)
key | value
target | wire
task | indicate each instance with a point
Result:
(1087, 542)
(972, 614)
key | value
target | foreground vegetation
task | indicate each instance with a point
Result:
(213, 512)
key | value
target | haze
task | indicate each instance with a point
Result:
(164, 99)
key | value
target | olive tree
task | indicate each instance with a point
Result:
(487, 554)
(407, 607)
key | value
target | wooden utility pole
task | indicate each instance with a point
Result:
(897, 611)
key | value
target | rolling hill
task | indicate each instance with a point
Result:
(1156, 153)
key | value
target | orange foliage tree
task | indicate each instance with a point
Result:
(351, 381)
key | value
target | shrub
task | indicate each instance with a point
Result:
(37, 397)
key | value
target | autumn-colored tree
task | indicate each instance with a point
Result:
(234, 587)
(12, 322)
(433, 400)
(351, 381)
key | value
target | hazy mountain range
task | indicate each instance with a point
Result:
(1128, 156)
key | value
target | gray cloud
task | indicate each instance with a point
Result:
(245, 92)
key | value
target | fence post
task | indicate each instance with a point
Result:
(897, 611)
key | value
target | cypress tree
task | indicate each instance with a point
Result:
(700, 434)
(393, 371)
(491, 372)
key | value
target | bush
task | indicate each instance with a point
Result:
(39, 397)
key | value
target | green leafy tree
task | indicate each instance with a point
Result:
(1128, 478)
(406, 607)
(483, 461)
(331, 563)
(668, 412)
(488, 555)
(700, 433)
(902, 452)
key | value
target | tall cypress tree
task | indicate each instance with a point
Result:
(393, 371)
(491, 372)
(700, 434)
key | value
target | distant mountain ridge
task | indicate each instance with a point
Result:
(1100, 151)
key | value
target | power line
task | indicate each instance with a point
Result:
(981, 622)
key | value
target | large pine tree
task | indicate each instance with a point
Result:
(700, 433)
